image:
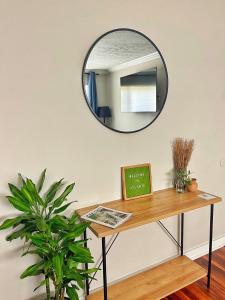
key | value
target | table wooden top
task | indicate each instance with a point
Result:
(162, 204)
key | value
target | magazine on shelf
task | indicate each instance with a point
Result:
(107, 216)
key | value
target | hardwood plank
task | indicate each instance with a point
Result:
(162, 204)
(215, 292)
(216, 272)
(155, 283)
(195, 293)
(199, 290)
(179, 295)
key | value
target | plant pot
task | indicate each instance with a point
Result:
(193, 187)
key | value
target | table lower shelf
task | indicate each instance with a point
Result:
(155, 283)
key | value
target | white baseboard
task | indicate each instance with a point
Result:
(204, 249)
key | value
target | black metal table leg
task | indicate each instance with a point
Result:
(210, 244)
(182, 235)
(104, 269)
(86, 265)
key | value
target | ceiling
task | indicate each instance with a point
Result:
(117, 48)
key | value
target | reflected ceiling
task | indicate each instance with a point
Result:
(121, 47)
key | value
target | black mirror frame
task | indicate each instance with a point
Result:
(84, 67)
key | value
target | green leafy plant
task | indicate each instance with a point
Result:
(188, 180)
(183, 176)
(55, 239)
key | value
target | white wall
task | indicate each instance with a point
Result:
(45, 121)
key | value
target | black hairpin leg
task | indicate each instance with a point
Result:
(182, 235)
(210, 244)
(86, 264)
(104, 269)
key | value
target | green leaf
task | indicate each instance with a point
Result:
(18, 204)
(27, 194)
(83, 259)
(76, 249)
(89, 271)
(66, 192)
(73, 219)
(21, 233)
(38, 240)
(77, 231)
(72, 293)
(81, 254)
(80, 242)
(21, 179)
(31, 188)
(30, 185)
(11, 222)
(58, 202)
(40, 252)
(74, 276)
(43, 282)
(52, 192)
(57, 264)
(57, 223)
(72, 263)
(42, 225)
(63, 208)
(47, 266)
(33, 270)
(41, 181)
(81, 284)
(17, 193)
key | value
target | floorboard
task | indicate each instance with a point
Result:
(199, 290)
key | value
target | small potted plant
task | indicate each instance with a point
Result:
(192, 185)
(183, 180)
(55, 239)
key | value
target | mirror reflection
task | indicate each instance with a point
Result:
(125, 80)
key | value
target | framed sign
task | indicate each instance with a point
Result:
(136, 181)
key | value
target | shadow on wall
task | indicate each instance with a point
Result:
(170, 178)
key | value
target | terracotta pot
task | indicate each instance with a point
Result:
(193, 187)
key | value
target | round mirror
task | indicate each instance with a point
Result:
(125, 80)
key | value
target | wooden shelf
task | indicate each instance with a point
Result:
(155, 283)
(162, 204)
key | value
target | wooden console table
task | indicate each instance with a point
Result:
(165, 279)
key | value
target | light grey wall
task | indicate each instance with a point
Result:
(45, 121)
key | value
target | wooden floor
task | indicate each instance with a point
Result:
(198, 290)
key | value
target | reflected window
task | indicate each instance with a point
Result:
(138, 92)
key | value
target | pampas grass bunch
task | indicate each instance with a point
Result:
(182, 150)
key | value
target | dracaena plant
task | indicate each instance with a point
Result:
(55, 239)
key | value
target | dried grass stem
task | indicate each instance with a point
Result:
(182, 150)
